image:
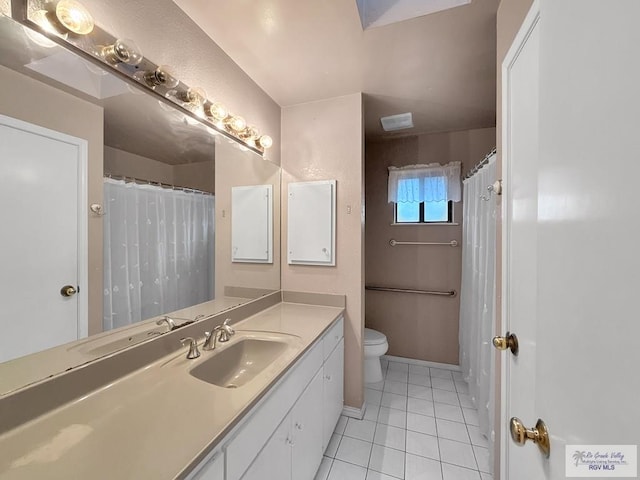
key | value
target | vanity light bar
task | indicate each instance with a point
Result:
(75, 29)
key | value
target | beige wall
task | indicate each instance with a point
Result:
(511, 14)
(26, 99)
(121, 163)
(417, 326)
(198, 175)
(320, 141)
(235, 167)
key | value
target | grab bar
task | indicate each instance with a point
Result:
(452, 243)
(450, 293)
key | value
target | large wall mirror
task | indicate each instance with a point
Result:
(115, 210)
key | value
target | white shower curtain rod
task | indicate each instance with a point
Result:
(480, 164)
(142, 181)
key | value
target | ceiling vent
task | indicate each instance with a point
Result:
(397, 122)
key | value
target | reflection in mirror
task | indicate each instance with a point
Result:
(158, 245)
(109, 198)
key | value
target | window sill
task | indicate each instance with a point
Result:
(424, 224)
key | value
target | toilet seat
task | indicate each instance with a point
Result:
(373, 337)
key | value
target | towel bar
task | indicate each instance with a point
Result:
(450, 293)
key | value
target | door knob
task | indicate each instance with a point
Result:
(510, 341)
(68, 291)
(538, 435)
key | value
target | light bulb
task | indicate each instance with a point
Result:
(250, 133)
(265, 141)
(122, 51)
(74, 17)
(194, 96)
(217, 111)
(163, 75)
(235, 123)
(41, 18)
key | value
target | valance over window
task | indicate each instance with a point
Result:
(425, 183)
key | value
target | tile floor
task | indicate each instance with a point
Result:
(419, 424)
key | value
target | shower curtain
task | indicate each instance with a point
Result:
(158, 251)
(477, 294)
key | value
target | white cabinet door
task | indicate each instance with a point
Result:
(274, 461)
(333, 386)
(252, 224)
(213, 469)
(306, 424)
(312, 223)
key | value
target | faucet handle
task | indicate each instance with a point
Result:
(193, 347)
(225, 331)
(227, 327)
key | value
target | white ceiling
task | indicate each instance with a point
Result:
(440, 66)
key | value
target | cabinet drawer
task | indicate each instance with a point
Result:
(332, 338)
(253, 435)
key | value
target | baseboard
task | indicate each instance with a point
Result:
(353, 412)
(424, 363)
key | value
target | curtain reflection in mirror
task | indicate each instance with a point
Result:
(159, 251)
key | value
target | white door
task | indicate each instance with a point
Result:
(43, 246)
(571, 233)
(520, 213)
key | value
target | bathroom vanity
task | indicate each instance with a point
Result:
(219, 416)
(285, 434)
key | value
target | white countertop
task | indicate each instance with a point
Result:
(156, 421)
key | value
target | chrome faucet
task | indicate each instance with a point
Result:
(193, 347)
(211, 338)
(169, 321)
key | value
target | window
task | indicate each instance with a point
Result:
(424, 194)
(424, 212)
(433, 211)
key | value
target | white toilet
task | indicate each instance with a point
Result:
(375, 345)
